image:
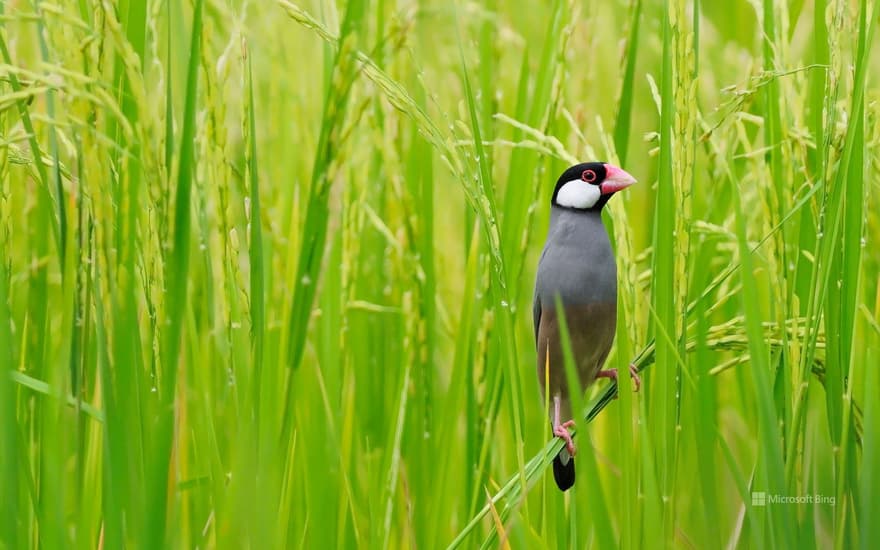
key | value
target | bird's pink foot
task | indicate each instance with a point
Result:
(634, 373)
(612, 373)
(561, 431)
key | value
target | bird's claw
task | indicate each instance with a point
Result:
(561, 431)
(634, 373)
(612, 373)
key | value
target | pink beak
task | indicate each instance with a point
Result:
(615, 180)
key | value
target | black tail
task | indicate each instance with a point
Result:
(563, 472)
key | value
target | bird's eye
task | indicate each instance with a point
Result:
(588, 176)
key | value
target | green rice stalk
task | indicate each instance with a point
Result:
(663, 289)
(255, 242)
(177, 278)
(317, 211)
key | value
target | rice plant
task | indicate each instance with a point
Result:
(266, 272)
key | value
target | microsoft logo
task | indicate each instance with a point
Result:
(761, 498)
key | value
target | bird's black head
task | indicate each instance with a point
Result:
(589, 185)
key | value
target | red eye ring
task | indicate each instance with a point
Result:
(588, 176)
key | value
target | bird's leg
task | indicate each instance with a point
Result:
(612, 373)
(560, 430)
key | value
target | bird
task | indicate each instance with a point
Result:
(577, 265)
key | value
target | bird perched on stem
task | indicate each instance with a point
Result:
(577, 265)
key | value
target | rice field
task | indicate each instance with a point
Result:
(267, 272)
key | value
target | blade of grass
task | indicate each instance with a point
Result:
(460, 377)
(628, 505)
(420, 177)
(770, 457)
(869, 479)
(176, 279)
(314, 230)
(57, 429)
(255, 243)
(9, 467)
(816, 106)
(705, 429)
(842, 299)
(663, 292)
(169, 125)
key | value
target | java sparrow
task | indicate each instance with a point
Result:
(577, 264)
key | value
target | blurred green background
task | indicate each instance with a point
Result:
(267, 272)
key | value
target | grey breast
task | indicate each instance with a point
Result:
(577, 264)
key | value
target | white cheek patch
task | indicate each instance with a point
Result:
(578, 194)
